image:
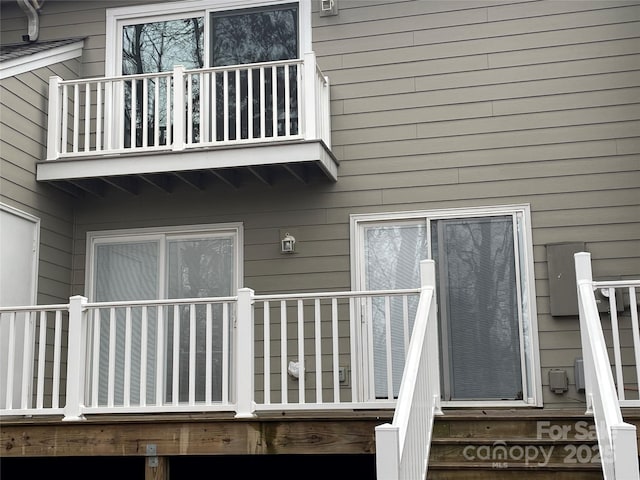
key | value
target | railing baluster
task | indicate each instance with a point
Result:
(134, 114)
(168, 116)
(335, 350)
(371, 372)
(225, 104)
(87, 116)
(263, 104)
(354, 329)
(190, 112)
(112, 359)
(615, 331)
(192, 354)
(318, 350)
(209, 353)
(175, 391)
(274, 100)
(99, 116)
(214, 107)
(156, 111)
(119, 116)
(238, 105)
(204, 118)
(301, 362)
(65, 119)
(42, 346)
(109, 114)
(387, 326)
(27, 366)
(284, 382)
(144, 339)
(145, 112)
(287, 102)
(226, 320)
(405, 322)
(11, 360)
(267, 351)
(160, 356)
(250, 134)
(127, 357)
(95, 378)
(57, 352)
(76, 116)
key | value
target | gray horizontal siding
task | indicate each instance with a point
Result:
(436, 104)
(23, 106)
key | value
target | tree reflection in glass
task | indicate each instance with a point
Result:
(254, 36)
(157, 47)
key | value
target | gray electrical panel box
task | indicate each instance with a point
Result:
(563, 294)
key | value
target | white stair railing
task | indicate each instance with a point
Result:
(616, 439)
(402, 447)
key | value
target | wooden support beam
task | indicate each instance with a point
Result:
(94, 187)
(263, 174)
(126, 184)
(299, 171)
(194, 179)
(230, 177)
(159, 471)
(161, 182)
(193, 436)
(68, 188)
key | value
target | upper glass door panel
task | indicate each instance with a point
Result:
(159, 46)
(252, 36)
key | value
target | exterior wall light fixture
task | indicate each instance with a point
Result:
(328, 8)
(288, 243)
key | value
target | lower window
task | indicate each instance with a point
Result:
(151, 265)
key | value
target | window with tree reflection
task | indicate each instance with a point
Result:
(252, 104)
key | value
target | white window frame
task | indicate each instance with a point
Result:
(526, 273)
(163, 234)
(117, 18)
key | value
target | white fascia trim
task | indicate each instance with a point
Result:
(116, 17)
(242, 156)
(11, 68)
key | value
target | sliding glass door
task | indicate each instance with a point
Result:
(484, 294)
(159, 266)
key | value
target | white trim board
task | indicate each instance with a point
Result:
(27, 63)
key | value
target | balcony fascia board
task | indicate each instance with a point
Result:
(192, 159)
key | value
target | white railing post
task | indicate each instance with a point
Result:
(584, 275)
(76, 360)
(244, 349)
(428, 280)
(625, 452)
(387, 452)
(53, 120)
(178, 108)
(309, 96)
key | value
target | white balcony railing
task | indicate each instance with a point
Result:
(242, 354)
(616, 439)
(402, 447)
(186, 109)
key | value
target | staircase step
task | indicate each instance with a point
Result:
(510, 444)
(483, 471)
(531, 451)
